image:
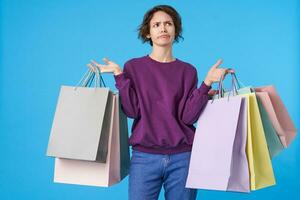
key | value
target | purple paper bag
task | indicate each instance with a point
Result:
(218, 159)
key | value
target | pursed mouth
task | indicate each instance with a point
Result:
(164, 36)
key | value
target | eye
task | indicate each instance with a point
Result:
(169, 23)
(155, 25)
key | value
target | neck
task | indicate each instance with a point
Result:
(162, 53)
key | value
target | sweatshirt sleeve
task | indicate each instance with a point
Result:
(127, 92)
(196, 101)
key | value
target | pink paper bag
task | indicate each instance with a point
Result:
(278, 115)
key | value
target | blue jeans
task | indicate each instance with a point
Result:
(148, 172)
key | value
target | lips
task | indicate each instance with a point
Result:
(164, 36)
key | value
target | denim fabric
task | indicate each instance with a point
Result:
(149, 172)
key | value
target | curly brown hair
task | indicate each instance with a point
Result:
(144, 28)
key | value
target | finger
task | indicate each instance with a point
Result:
(98, 65)
(229, 70)
(212, 92)
(91, 67)
(95, 63)
(106, 60)
(216, 91)
(218, 63)
(222, 77)
(225, 71)
(223, 74)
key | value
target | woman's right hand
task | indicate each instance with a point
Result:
(215, 73)
(109, 67)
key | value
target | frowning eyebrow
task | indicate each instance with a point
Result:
(163, 22)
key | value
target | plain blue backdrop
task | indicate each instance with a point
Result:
(46, 44)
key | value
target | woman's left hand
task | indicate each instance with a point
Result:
(212, 92)
(215, 73)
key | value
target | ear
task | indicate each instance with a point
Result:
(148, 36)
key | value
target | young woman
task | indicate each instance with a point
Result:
(160, 93)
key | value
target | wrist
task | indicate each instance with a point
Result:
(117, 72)
(208, 82)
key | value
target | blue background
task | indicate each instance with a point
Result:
(46, 44)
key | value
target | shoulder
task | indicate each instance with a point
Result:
(134, 61)
(188, 67)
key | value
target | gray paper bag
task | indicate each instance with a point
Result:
(81, 123)
(100, 174)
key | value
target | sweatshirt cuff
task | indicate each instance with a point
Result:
(204, 88)
(121, 80)
(119, 77)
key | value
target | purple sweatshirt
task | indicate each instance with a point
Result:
(164, 101)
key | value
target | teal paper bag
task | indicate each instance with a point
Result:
(273, 141)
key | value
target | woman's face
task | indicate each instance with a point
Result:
(162, 29)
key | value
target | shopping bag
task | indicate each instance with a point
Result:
(81, 122)
(278, 115)
(260, 166)
(274, 144)
(106, 174)
(218, 158)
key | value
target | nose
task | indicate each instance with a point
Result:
(163, 28)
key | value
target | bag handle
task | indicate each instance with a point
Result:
(88, 78)
(98, 74)
(85, 78)
(237, 81)
(100, 79)
(234, 88)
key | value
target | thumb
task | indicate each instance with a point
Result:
(218, 63)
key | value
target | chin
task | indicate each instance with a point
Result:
(164, 44)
